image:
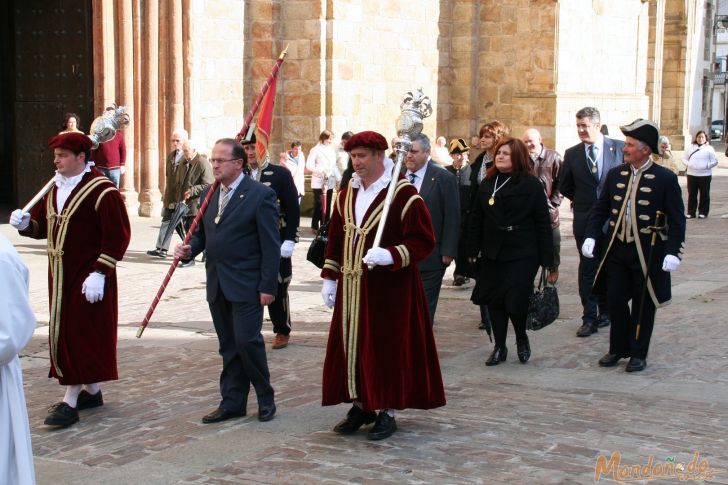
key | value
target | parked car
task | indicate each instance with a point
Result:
(716, 130)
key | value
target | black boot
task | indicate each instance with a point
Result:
(524, 350)
(499, 355)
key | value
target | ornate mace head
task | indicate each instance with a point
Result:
(415, 108)
(104, 127)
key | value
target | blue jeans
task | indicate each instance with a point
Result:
(113, 174)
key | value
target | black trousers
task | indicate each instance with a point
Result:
(316, 217)
(280, 310)
(593, 306)
(626, 282)
(242, 349)
(432, 282)
(699, 194)
(500, 311)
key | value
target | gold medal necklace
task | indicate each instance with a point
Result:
(496, 188)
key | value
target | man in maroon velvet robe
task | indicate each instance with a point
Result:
(381, 352)
(85, 222)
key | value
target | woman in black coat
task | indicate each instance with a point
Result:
(511, 230)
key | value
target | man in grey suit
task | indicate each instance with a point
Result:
(438, 188)
(583, 173)
(239, 230)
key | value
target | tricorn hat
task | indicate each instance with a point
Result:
(458, 145)
(366, 139)
(645, 131)
(249, 136)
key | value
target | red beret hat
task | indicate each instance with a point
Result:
(76, 142)
(366, 139)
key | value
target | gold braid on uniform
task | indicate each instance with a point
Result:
(355, 239)
(56, 241)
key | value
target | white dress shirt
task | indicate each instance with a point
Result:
(65, 185)
(419, 176)
(365, 196)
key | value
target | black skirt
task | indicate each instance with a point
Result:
(508, 281)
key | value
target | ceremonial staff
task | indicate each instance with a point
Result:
(655, 229)
(203, 206)
(103, 129)
(414, 108)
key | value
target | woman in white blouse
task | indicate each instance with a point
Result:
(321, 162)
(699, 159)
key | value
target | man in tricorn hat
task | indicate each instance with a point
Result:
(639, 197)
(381, 352)
(85, 221)
(461, 169)
(280, 180)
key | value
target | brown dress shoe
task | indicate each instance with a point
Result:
(281, 341)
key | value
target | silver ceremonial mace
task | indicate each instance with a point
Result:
(102, 130)
(414, 108)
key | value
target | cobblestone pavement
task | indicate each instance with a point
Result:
(544, 422)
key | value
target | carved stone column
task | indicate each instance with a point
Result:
(125, 97)
(149, 195)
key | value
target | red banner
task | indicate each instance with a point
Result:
(265, 120)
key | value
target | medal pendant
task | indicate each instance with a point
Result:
(594, 169)
(491, 201)
(217, 218)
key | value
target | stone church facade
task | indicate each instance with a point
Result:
(198, 64)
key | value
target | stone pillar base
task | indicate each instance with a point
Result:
(131, 200)
(150, 209)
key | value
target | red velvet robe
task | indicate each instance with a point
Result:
(381, 350)
(91, 234)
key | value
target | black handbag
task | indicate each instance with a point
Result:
(543, 307)
(318, 246)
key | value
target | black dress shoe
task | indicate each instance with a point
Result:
(87, 400)
(499, 355)
(524, 350)
(266, 412)
(221, 414)
(61, 415)
(355, 419)
(160, 253)
(636, 364)
(609, 360)
(186, 264)
(586, 329)
(384, 427)
(603, 321)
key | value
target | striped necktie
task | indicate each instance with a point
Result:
(223, 201)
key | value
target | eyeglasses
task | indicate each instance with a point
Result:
(223, 160)
(175, 141)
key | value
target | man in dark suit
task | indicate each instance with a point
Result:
(279, 179)
(239, 230)
(583, 174)
(642, 207)
(438, 188)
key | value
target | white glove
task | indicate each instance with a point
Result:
(287, 248)
(587, 249)
(93, 287)
(378, 257)
(670, 263)
(328, 293)
(19, 219)
(122, 169)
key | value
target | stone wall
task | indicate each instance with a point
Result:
(602, 62)
(201, 63)
(217, 70)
